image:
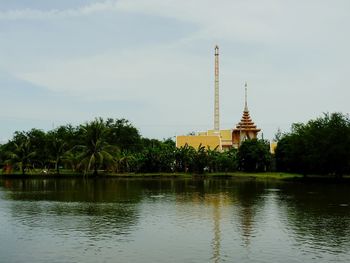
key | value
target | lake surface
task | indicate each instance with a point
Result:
(173, 220)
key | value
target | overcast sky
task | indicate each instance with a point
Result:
(152, 62)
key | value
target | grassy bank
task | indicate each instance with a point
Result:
(237, 175)
(70, 174)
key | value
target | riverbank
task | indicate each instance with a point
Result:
(275, 176)
(242, 175)
(66, 174)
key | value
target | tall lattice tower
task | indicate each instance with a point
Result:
(216, 95)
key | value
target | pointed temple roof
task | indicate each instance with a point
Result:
(246, 122)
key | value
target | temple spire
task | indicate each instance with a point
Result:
(245, 129)
(246, 100)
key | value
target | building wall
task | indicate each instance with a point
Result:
(195, 141)
(226, 139)
(273, 146)
(209, 139)
(239, 136)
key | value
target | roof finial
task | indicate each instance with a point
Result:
(246, 103)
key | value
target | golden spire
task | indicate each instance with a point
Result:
(246, 99)
(246, 121)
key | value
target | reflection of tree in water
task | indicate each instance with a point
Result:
(248, 199)
(90, 219)
(245, 195)
(73, 190)
(95, 208)
(106, 207)
(318, 214)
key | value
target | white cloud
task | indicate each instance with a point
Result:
(289, 51)
(272, 22)
(264, 21)
(148, 73)
(28, 13)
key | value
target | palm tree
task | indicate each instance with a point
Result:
(58, 148)
(72, 158)
(184, 158)
(95, 151)
(200, 160)
(22, 154)
(213, 159)
(125, 161)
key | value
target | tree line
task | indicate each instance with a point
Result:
(113, 146)
(320, 146)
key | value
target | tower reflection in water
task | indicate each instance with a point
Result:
(224, 204)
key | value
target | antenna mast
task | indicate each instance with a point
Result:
(216, 102)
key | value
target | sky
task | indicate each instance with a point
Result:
(152, 62)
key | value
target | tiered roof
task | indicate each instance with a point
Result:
(246, 122)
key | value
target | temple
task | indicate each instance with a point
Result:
(245, 129)
(221, 139)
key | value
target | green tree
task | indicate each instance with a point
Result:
(320, 146)
(1, 156)
(254, 155)
(213, 159)
(72, 158)
(227, 161)
(57, 148)
(184, 157)
(121, 133)
(95, 150)
(126, 162)
(200, 160)
(38, 141)
(278, 135)
(21, 153)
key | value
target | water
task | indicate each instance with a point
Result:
(173, 220)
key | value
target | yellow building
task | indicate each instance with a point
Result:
(273, 146)
(210, 140)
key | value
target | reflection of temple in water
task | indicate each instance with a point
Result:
(216, 201)
(216, 242)
(238, 206)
